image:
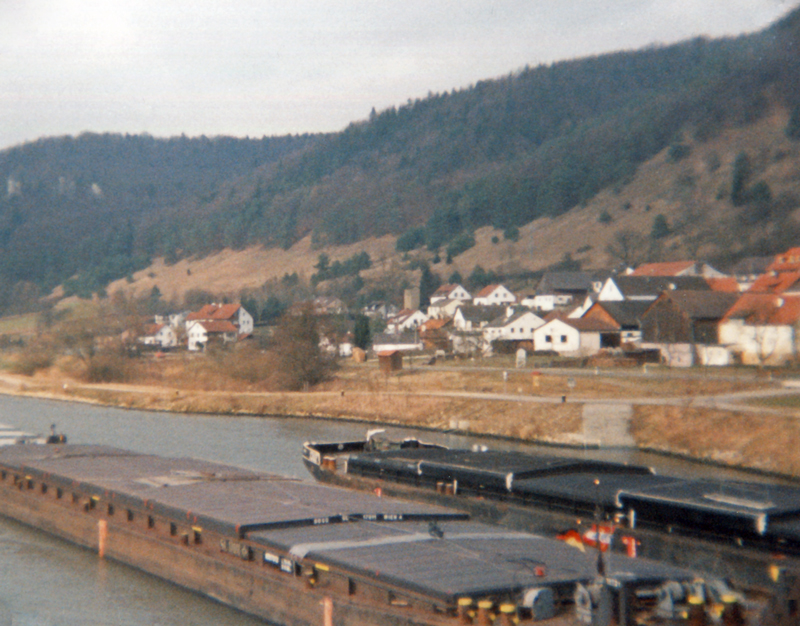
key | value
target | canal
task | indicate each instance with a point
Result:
(47, 582)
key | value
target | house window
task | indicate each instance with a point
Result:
(563, 339)
(548, 339)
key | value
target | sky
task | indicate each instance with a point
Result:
(272, 67)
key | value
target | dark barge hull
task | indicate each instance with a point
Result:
(721, 544)
(295, 553)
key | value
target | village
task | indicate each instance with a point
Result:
(678, 314)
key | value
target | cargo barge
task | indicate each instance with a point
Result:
(730, 528)
(300, 553)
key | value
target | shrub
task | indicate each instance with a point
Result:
(410, 240)
(678, 151)
(29, 362)
(460, 244)
(107, 367)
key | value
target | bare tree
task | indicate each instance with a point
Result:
(628, 246)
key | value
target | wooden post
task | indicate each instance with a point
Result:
(102, 537)
(327, 611)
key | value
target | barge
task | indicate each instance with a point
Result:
(302, 553)
(732, 529)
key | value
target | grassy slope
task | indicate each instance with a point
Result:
(692, 193)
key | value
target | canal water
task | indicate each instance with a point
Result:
(45, 581)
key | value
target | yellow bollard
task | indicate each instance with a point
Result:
(697, 611)
(484, 612)
(464, 605)
(731, 611)
(507, 614)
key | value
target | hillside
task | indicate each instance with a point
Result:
(666, 152)
(702, 223)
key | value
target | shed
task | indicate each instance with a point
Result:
(390, 361)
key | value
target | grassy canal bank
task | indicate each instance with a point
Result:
(687, 414)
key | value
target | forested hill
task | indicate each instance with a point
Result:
(94, 206)
(503, 152)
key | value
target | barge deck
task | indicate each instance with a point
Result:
(728, 529)
(307, 554)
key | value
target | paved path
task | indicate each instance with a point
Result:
(607, 424)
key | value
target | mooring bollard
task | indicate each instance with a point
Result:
(484, 612)
(464, 610)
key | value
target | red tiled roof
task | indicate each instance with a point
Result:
(555, 315)
(673, 268)
(774, 283)
(727, 284)
(445, 289)
(436, 324)
(766, 309)
(591, 324)
(787, 313)
(219, 326)
(214, 312)
(486, 291)
(204, 313)
(152, 329)
(401, 316)
(789, 261)
(225, 312)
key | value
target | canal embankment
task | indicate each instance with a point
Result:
(710, 418)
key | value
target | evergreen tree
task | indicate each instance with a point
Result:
(660, 227)
(741, 175)
(793, 127)
(428, 283)
(361, 332)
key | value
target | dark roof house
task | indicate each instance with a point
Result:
(690, 317)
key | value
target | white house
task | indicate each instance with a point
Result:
(442, 309)
(452, 292)
(160, 335)
(380, 310)
(337, 346)
(403, 342)
(559, 289)
(469, 317)
(648, 288)
(571, 337)
(515, 327)
(199, 333)
(406, 320)
(494, 294)
(760, 329)
(176, 320)
(235, 314)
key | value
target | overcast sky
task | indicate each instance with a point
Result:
(266, 67)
